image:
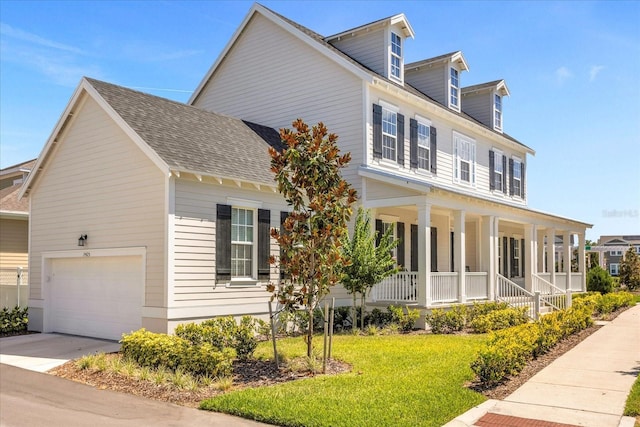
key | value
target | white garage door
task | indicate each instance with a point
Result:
(96, 296)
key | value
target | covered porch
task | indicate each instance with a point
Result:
(456, 251)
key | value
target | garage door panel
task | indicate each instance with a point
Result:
(98, 297)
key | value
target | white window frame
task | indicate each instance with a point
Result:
(497, 112)
(424, 144)
(464, 145)
(498, 155)
(614, 269)
(517, 161)
(454, 89)
(395, 55)
(253, 243)
(388, 136)
(516, 256)
(615, 253)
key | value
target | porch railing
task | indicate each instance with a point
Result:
(550, 294)
(444, 287)
(400, 287)
(576, 282)
(561, 281)
(476, 285)
(517, 296)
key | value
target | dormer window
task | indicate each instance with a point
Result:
(396, 56)
(497, 112)
(454, 89)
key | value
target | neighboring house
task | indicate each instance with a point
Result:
(14, 234)
(173, 203)
(614, 248)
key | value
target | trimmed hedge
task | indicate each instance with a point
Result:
(500, 319)
(507, 351)
(173, 352)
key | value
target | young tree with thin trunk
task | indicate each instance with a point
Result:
(369, 264)
(307, 172)
(630, 269)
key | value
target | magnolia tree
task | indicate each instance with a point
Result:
(307, 172)
(369, 263)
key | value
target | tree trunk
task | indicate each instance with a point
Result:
(354, 313)
(362, 309)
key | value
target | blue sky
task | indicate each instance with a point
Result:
(573, 69)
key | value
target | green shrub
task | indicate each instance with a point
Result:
(380, 318)
(599, 280)
(447, 322)
(173, 352)
(407, 320)
(480, 309)
(14, 321)
(500, 319)
(221, 333)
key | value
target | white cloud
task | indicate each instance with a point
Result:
(594, 71)
(563, 74)
(9, 31)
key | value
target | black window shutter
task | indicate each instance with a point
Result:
(433, 149)
(504, 168)
(434, 249)
(400, 139)
(413, 143)
(511, 177)
(400, 247)
(283, 217)
(223, 242)
(522, 179)
(492, 166)
(505, 259)
(452, 242)
(377, 131)
(379, 231)
(522, 255)
(264, 228)
(414, 247)
(512, 251)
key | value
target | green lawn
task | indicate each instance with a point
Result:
(399, 380)
(632, 408)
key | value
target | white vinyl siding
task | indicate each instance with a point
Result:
(195, 248)
(127, 211)
(323, 90)
(367, 48)
(14, 239)
(429, 80)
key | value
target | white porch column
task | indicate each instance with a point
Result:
(582, 261)
(540, 241)
(496, 247)
(551, 254)
(424, 254)
(530, 253)
(459, 248)
(489, 248)
(566, 248)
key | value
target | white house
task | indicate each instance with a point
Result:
(173, 203)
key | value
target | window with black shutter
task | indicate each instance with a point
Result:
(264, 237)
(414, 247)
(223, 242)
(377, 131)
(400, 247)
(413, 143)
(433, 150)
(400, 139)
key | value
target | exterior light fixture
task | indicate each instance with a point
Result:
(82, 240)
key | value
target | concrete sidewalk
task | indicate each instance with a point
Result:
(587, 386)
(41, 352)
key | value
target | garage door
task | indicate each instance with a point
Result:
(96, 296)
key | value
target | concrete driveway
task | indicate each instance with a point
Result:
(41, 352)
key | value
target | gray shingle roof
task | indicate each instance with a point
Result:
(190, 139)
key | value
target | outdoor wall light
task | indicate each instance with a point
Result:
(82, 239)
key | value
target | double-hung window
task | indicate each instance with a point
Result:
(498, 171)
(464, 159)
(517, 178)
(424, 132)
(454, 88)
(497, 112)
(242, 242)
(396, 56)
(389, 134)
(614, 269)
(515, 268)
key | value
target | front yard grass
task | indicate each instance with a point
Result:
(632, 407)
(399, 380)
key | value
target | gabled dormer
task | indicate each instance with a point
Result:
(439, 78)
(378, 45)
(484, 102)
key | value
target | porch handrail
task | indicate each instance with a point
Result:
(545, 287)
(399, 287)
(515, 295)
